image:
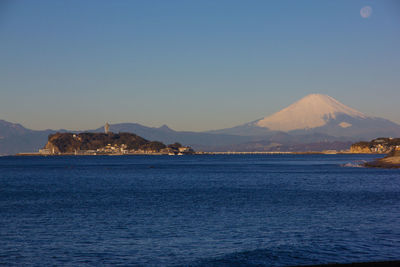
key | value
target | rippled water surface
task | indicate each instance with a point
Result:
(197, 210)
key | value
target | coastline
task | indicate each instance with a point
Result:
(89, 154)
(391, 161)
(199, 153)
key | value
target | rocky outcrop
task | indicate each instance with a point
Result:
(392, 160)
(360, 148)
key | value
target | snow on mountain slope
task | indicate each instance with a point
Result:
(312, 111)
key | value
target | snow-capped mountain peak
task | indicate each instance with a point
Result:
(312, 111)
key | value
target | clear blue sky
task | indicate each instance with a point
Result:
(193, 65)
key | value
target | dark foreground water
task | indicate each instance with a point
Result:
(197, 210)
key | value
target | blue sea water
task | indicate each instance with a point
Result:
(203, 210)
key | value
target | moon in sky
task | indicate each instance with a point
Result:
(366, 12)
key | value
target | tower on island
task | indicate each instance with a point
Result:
(107, 128)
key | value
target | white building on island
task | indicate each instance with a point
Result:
(107, 128)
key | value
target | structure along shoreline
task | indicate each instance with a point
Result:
(93, 153)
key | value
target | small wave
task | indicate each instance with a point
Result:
(285, 255)
(355, 164)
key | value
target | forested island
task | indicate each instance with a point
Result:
(108, 143)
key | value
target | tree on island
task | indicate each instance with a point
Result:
(175, 146)
(153, 146)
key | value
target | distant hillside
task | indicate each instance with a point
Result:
(378, 145)
(271, 146)
(165, 134)
(15, 138)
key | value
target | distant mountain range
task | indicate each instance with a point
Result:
(315, 122)
(15, 138)
(321, 114)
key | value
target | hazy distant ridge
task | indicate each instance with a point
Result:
(315, 122)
